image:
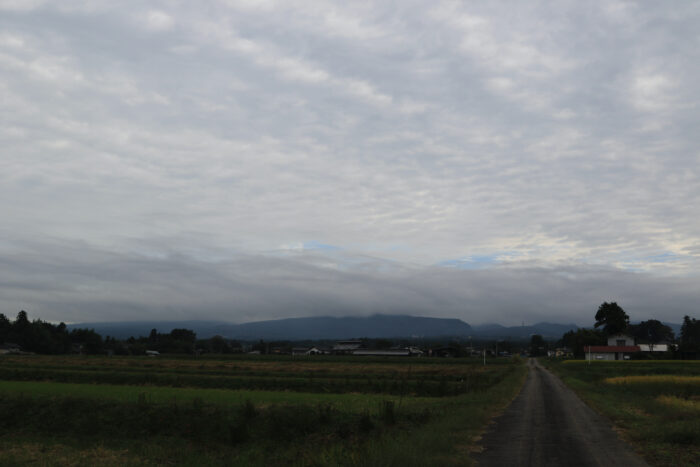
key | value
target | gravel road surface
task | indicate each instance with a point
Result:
(548, 425)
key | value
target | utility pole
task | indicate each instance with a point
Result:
(589, 354)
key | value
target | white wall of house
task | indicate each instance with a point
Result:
(602, 356)
(653, 348)
(620, 339)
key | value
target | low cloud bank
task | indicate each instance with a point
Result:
(74, 282)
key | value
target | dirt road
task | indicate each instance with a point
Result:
(548, 425)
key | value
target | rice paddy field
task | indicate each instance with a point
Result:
(654, 404)
(243, 410)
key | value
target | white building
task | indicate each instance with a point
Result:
(620, 347)
(620, 340)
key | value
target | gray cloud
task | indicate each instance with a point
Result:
(417, 134)
(74, 282)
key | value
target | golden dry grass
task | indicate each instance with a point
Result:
(32, 453)
(686, 405)
(653, 379)
(628, 362)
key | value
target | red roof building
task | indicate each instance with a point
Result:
(610, 352)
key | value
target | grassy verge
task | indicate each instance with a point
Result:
(652, 404)
(449, 439)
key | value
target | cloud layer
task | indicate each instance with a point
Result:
(460, 159)
(73, 282)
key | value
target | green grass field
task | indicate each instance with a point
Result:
(185, 411)
(422, 378)
(655, 404)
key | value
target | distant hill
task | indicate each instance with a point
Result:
(548, 331)
(324, 327)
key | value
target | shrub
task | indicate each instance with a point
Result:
(248, 410)
(365, 423)
(239, 432)
(287, 423)
(388, 413)
(680, 436)
(325, 413)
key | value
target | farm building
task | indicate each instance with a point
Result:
(653, 348)
(620, 340)
(346, 347)
(620, 347)
(610, 352)
(309, 351)
(405, 352)
(9, 348)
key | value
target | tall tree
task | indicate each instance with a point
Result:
(690, 335)
(537, 346)
(652, 332)
(612, 317)
(22, 320)
(90, 341)
(186, 335)
(35, 336)
(5, 328)
(577, 340)
(21, 329)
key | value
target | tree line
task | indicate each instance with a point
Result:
(47, 338)
(611, 319)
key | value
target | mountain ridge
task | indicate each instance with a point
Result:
(328, 327)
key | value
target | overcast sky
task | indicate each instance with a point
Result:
(491, 161)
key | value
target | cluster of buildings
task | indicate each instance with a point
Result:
(12, 349)
(356, 348)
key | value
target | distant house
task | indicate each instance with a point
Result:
(559, 352)
(309, 351)
(404, 352)
(346, 347)
(610, 352)
(653, 347)
(620, 340)
(620, 347)
(9, 348)
(382, 352)
(152, 353)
